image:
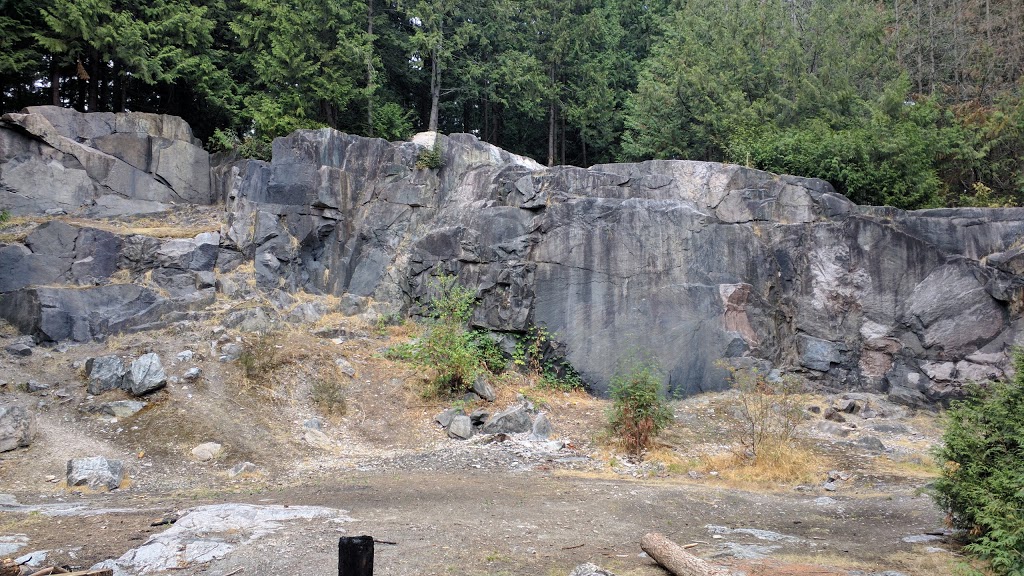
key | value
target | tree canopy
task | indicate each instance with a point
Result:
(909, 103)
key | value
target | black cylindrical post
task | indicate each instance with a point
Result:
(355, 556)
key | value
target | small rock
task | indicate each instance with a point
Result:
(122, 408)
(834, 415)
(824, 501)
(445, 418)
(33, 386)
(847, 405)
(541, 428)
(192, 374)
(317, 439)
(242, 468)
(17, 428)
(185, 356)
(461, 427)
(95, 473)
(509, 421)
(207, 451)
(18, 349)
(589, 569)
(345, 366)
(832, 428)
(814, 409)
(829, 486)
(313, 424)
(230, 352)
(871, 443)
(483, 388)
(146, 375)
(50, 478)
(104, 373)
(478, 417)
(33, 559)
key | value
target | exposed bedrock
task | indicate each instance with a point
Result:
(691, 262)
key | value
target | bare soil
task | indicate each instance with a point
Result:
(449, 507)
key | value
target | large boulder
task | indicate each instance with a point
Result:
(17, 427)
(146, 375)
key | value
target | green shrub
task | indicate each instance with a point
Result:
(552, 372)
(222, 140)
(638, 412)
(448, 346)
(431, 158)
(392, 122)
(5, 216)
(982, 482)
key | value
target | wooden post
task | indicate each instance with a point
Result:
(675, 559)
(355, 556)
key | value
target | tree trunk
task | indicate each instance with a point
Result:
(435, 89)
(369, 69)
(54, 81)
(675, 559)
(94, 80)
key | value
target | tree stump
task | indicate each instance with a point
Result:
(675, 559)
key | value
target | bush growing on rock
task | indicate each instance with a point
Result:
(448, 346)
(982, 461)
(638, 412)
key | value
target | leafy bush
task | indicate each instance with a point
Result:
(982, 461)
(431, 158)
(448, 346)
(532, 354)
(392, 122)
(769, 413)
(638, 412)
(222, 140)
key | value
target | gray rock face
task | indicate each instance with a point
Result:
(104, 373)
(692, 262)
(99, 164)
(96, 473)
(17, 428)
(146, 375)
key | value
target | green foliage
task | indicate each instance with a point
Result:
(638, 412)
(982, 461)
(448, 347)
(532, 355)
(488, 351)
(5, 216)
(769, 412)
(392, 122)
(431, 158)
(222, 141)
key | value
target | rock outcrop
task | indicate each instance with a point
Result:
(57, 160)
(703, 266)
(692, 262)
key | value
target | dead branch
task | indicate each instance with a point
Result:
(675, 559)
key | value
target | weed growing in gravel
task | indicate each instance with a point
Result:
(328, 394)
(769, 412)
(259, 358)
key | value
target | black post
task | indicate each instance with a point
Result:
(355, 556)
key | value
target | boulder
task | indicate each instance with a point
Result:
(541, 428)
(461, 427)
(483, 388)
(207, 451)
(17, 427)
(146, 375)
(95, 473)
(18, 349)
(105, 373)
(512, 420)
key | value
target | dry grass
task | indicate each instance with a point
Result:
(780, 465)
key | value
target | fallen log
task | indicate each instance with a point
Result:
(675, 559)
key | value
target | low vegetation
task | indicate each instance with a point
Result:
(638, 413)
(982, 482)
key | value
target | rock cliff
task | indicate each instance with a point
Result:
(692, 262)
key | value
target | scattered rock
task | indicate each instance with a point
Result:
(890, 428)
(478, 417)
(512, 420)
(104, 373)
(207, 451)
(122, 408)
(317, 439)
(461, 427)
(834, 415)
(242, 468)
(589, 569)
(11, 543)
(483, 388)
(832, 428)
(541, 428)
(231, 351)
(871, 443)
(95, 473)
(192, 374)
(18, 349)
(345, 366)
(33, 386)
(147, 375)
(829, 486)
(313, 424)
(184, 356)
(17, 427)
(33, 559)
(445, 418)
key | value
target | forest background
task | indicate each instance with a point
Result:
(910, 103)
